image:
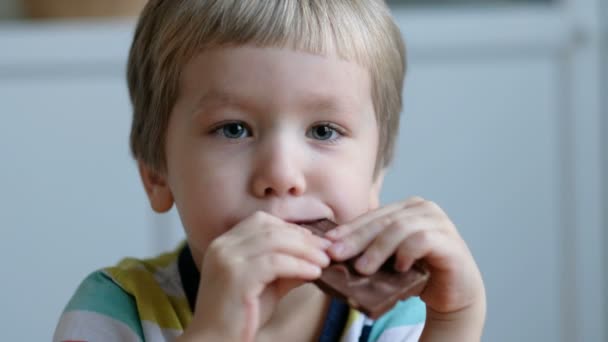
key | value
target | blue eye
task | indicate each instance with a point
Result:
(233, 130)
(324, 132)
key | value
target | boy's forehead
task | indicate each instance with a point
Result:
(248, 75)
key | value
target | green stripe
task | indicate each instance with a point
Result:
(409, 312)
(98, 293)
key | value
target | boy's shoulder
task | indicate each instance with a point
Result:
(155, 286)
(127, 302)
(148, 277)
(109, 312)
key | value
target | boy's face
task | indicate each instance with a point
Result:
(275, 130)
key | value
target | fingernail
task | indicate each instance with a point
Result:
(326, 260)
(332, 234)
(338, 248)
(362, 263)
(314, 269)
(325, 244)
(401, 266)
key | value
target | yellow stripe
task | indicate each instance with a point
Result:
(136, 277)
(353, 315)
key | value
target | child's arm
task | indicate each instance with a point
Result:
(246, 271)
(419, 229)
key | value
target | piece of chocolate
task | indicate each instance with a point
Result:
(373, 295)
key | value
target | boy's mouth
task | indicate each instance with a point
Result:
(320, 227)
(311, 222)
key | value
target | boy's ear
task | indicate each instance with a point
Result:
(157, 188)
(374, 195)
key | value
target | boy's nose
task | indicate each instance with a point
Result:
(278, 171)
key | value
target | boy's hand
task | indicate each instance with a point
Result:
(247, 270)
(419, 229)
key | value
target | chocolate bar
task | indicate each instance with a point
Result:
(373, 295)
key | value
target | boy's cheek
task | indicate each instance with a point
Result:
(353, 201)
(374, 196)
(374, 203)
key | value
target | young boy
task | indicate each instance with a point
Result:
(255, 117)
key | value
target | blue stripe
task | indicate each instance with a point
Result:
(98, 293)
(335, 322)
(364, 337)
(409, 312)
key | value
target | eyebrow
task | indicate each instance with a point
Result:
(311, 102)
(322, 103)
(217, 97)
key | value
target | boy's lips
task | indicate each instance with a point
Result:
(307, 221)
(232, 221)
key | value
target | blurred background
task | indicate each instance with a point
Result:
(505, 121)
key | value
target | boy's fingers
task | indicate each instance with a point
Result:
(430, 245)
(364, 220)
(354, 243)
(345, 229)
(263, 223)
(413, 201)
(292, 242)
(380, 250)
(387, 242)
(396, 226)
(444, 292)
(272, 266)
(257, 221)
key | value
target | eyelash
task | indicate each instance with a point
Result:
(334, 128)
(218, 130)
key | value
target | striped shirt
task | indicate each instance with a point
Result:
(153, 300)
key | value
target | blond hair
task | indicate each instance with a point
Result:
(171, 32)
